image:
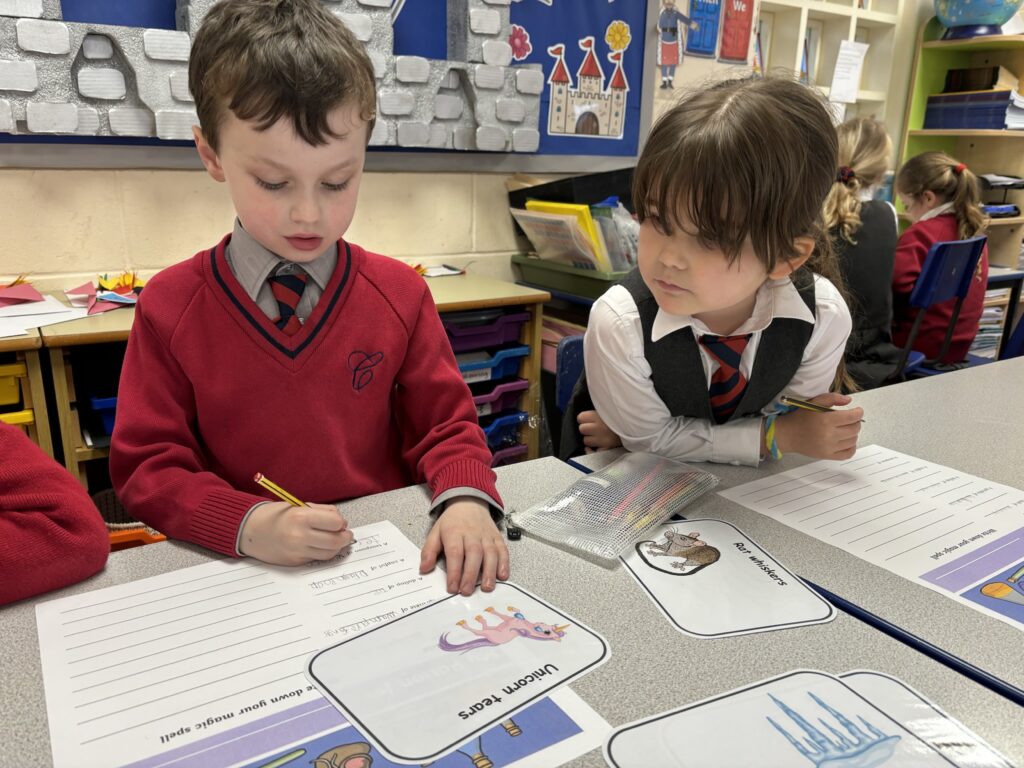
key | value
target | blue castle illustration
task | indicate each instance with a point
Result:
(856, 748)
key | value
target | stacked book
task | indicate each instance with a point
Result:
(977, 98)
(990, 328)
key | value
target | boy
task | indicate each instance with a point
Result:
(51, 534)
(285, 349)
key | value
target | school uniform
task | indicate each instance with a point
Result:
(866, 263)
(365, 397)
(51, 534)
(938, 225)
(648, 376)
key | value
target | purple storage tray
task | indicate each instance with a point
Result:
(504, 396)
(464, 337)
(509, 455)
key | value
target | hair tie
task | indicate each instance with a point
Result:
(959, 168)
(846, 174)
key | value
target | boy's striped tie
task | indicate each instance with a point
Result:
(727, 383)
(287, 288)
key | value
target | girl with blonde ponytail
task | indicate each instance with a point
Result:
(864, 234)
(941, 196)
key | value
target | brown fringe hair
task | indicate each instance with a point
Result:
(268, 59)
(937, 172)
(751, 157)
(866, 149)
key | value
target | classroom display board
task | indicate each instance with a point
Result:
(527, 77)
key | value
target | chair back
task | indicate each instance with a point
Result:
(568, 368)
(946, 274)
(1015, 344)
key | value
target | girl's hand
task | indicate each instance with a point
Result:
(596, 434)
(820, 435)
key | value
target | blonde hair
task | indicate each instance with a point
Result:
(865, 149)
(949, 180)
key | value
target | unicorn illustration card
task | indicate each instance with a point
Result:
(802, 719)
(428, 681)
(710, 579)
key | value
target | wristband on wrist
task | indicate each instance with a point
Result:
(769, 436)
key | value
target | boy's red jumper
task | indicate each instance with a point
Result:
(51, 534)
(910, 255)
(365, 398)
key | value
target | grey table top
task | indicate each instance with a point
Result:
(653, 667)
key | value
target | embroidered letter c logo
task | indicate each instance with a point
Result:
(362, 365)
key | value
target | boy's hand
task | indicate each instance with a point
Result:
(820, 435)
(280, 534)
(472, 547)
(596, 434)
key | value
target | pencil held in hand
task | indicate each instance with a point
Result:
(806, 405)
(277, 490)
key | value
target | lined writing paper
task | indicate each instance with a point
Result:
(947, 529)
(138, 668)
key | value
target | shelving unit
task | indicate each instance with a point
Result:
(831, 23)
(984, 151)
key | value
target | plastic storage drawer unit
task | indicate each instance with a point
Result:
(485, 328)
(500, 397)
(484, 366)
(105, 407)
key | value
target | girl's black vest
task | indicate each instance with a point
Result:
(678, 372)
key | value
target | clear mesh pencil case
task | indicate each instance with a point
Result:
(608, 510)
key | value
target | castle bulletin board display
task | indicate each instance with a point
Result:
(559, 77)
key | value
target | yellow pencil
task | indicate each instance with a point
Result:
(277, 490)
(805, 405)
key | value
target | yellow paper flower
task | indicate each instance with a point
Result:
(124, 283)
(617, 36)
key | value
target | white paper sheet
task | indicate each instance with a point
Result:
(158, 664)
(719, 583)
(796, 720)
(955, 533)
(846, 77)
(925, 720)
(423, 685)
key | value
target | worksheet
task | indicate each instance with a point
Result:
(552, 731)
(420, 686)
(180, 663)
(800, 719)
(709, 579)
(955, 533)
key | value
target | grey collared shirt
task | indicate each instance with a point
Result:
(252, 264)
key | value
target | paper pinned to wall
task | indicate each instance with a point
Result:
(849, 65)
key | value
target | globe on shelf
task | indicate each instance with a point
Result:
(972, 18)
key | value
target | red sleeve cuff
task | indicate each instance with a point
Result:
(217, 520)
(466, 473)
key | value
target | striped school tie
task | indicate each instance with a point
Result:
(287, 288)
(727, 383)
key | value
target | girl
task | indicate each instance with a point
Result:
(735, 301)
(941, 197)
(864, 232)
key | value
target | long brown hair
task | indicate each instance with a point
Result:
(865, 150)
(949, 180)
(750, 157)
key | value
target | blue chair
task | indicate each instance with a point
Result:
(568, 368)
(1015, 345)
(947, 274)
